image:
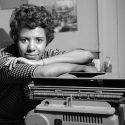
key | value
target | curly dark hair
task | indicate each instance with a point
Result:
(31, 16)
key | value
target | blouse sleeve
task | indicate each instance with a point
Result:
(50, 52)
(19, 72)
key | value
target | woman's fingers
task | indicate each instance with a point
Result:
(10, 59)
(91, 69)
(13, 61)
(16, 60)
(9, 63)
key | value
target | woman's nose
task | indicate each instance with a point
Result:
(31, 47)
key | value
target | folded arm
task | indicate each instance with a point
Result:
(55, 66)
(26, 71)
(75, 56)
(57, 69)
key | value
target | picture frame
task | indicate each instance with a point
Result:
(65, 14)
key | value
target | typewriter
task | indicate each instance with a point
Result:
(77, 101)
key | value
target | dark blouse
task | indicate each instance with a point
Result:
(14, 103)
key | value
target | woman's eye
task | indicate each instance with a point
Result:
(39, 40)
(23, 40)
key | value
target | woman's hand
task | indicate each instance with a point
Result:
(13, 61)
(91, 69)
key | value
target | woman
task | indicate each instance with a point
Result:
(32, 29)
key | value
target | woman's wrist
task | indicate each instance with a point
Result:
(40, 62)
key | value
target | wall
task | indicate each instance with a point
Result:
(112, 33)
(86, 37)
(121, 35)
(4, 19)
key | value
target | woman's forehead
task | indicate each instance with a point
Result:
(38, 31)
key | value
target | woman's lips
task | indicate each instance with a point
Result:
(31, 56)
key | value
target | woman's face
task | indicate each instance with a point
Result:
(32, 43)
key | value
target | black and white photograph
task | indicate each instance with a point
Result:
(62, 62)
